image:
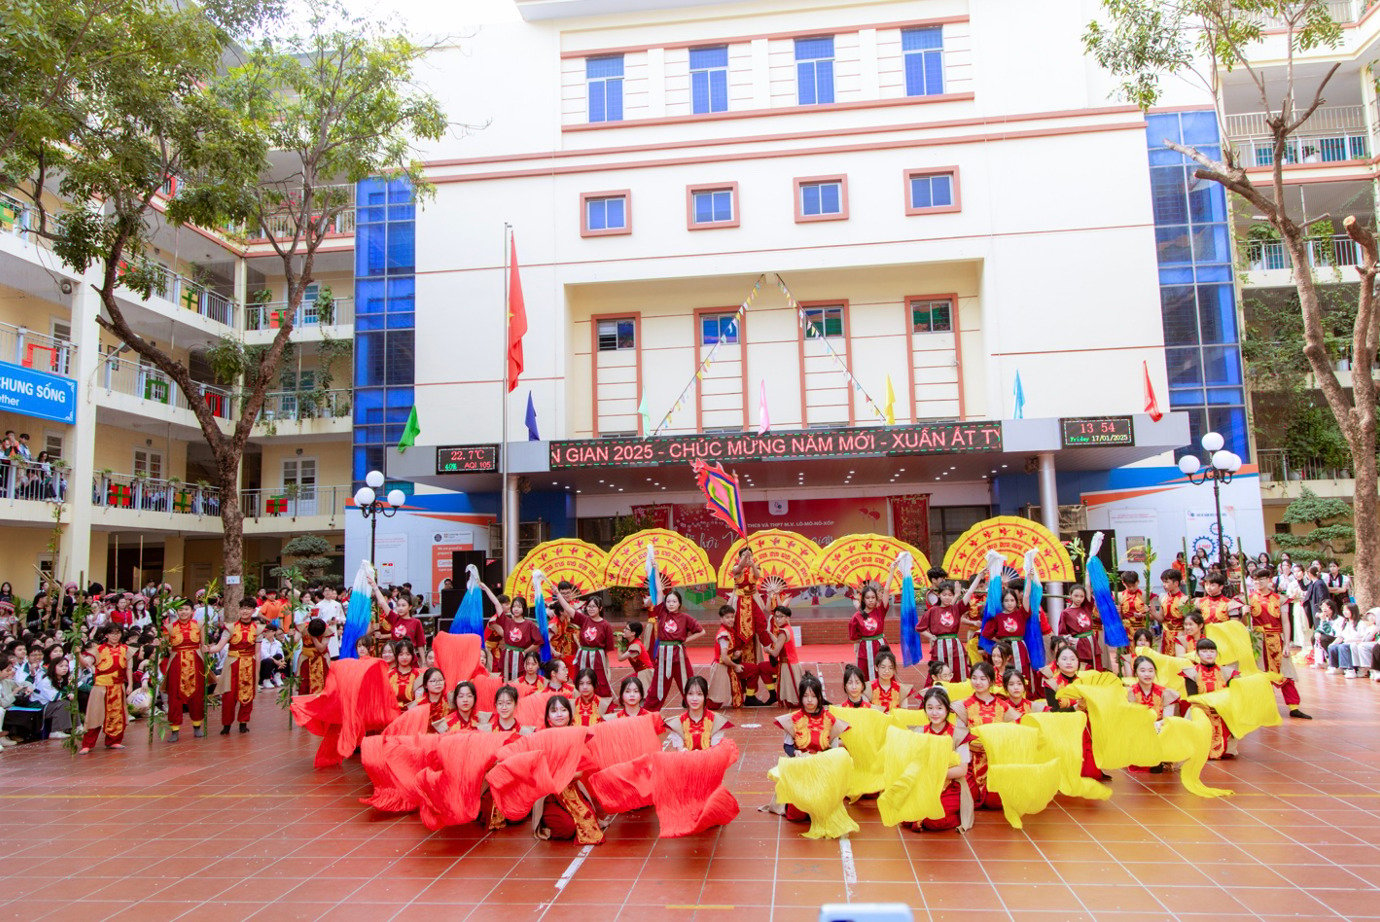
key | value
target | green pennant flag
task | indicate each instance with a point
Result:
(410, 432)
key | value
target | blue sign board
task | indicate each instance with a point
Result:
(37, 393)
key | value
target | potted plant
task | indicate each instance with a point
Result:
(1260, 254)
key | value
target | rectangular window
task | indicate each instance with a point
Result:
(604, 80)
(821, 198)
(148, 464)
(931, 191)
(52, 444)
(823, 321)
(931, 316)
(719, 328)
(615, 335)
(814, 70)
(712, 206)
(605, 213)
(709, 79)
(924, 51)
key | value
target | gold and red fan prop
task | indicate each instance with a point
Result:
(1011, 536)
(579, 562)
(679, 561)
(786, 559)
(854, 559)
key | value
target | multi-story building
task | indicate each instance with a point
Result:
(117, 454)
(809, 206)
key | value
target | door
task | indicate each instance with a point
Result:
(301, 473)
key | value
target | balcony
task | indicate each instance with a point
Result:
(342, 224)
(192, 296)
(22, 346)
(29, 488)
(305, 413)
(1333, 134)
(144, 494)
(1270, 265)
(1282, 481)
(296, 508)
(148, 392)
(261, 321)
(1341, 11)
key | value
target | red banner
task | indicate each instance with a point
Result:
(910, 520)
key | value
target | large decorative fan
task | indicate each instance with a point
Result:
(566, 558)
(679, 561)
(855, 559)
(1011, 536)
(786, 559)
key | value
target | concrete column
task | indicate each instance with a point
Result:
(81, 447)
(510, 523)
(1049, 516)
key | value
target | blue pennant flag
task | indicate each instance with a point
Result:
(532, 435)
(1018, 399)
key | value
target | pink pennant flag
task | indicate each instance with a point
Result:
(763, 417)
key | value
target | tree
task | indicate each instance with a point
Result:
(1330, 535)
(304, 559)
(331, 108)
(1140, 42)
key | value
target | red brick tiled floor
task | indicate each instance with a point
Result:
(242, 826)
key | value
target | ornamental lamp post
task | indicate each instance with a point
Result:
(1222, 466)
(371, 507)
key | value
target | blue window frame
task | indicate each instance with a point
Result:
(814, 70)
(823, 321)
(609, 213)
(931, 190)
(719, 328)
(821, 198)
(924, 60)
(709, 79)
(712, 206)
(604, 78)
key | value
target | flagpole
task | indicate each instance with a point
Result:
(508, 494)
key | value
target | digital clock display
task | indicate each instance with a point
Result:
(1092, 431)
(466, 459)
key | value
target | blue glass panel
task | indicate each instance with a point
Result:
(1173, 276)
(1225, 395)
(359, 464)
(368, 404)
(369, 297)
(921, 39)
(1217, 313)
(399, 398)
(402, 248)
(594, 214)
(1189, 397)
(934, 73)
(605, 66)
(1161, 126)
(1207, 201)
(709, 331)
(1211, 244)
(367, 434)
(1199, 128)
(1168, 198)
(613, 101)
(370, 244)
(1197, 425)
(699, 92)
(1214, 273)
(1179, 314)
(370, 321)
(401, 320)
(404, 212)
(824, 81)
(596, 101)
(1222, 365)
(401, 358)
(811, 48)
(829, 198)
(809, 194)
(704, 208)
(705, 58)
(369, 359)
(1231, 423)
(1163, 156)
(613, 213)
(1172, 245)
(942, 190)
(1184, 366)
(718, 91)
(401, 292)
(805, 83)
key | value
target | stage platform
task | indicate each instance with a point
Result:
(239, 827)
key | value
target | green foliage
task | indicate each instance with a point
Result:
(309, 560)
(1313, 439)
(1331, 533)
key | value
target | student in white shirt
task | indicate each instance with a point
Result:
(332, 612)
(271, 663)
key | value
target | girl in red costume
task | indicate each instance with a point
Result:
(530, 681)
(569, 813)
(631, 696)
(596, 642)
(433, 698)
(1206, 677)
(982, 707)
(504, 718)
(854, 688)
(809, 730)
(1144, 691)
(941, 625)
(782, 653)
(589, 707)
(635, 652)
(1017, 704)
(403, 677)
(520, 635)
(1062, 674)
(698, 727)
(463, 716)
(674, 629)
(867, 627)
(961, 790)
(1081, 622)
(885, 692)
(1008, 625)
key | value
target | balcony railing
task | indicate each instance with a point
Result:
(22, 346)
(15, 217)
(294, 406)
(269, 315)
(339, 198)
(1341, 11)
(1331, 134)
(32, 480)
(293, 500)
(194, 296)
(1276, 464)
(127, 491)
(149, 383)
(1323, 253)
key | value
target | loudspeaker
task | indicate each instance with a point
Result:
(459, 560)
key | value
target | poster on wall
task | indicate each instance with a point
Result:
(1201, 528)
(390, 557)
(443, 544)
(1135, 530)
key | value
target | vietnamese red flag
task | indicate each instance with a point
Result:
(1152, 406)
(517, 318)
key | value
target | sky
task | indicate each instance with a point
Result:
(433, 17)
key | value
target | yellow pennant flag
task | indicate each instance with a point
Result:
(890, 403)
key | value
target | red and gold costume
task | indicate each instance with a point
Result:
(105, 709)
(563, 638)
(312, 666)
(1172, 604)
(1019, 708)
(1267, 618)
(867, 629)
(586, 712)
(658, 724)
(1009, 626)
(1210, 679)
(749, 622)
(456, 724)
(527, 687)
(241, 666)
(698, 734)
(892, 697)
(1132, 606)
(727, 686)
(944, 622)
(953, 794)
(438, 712)
(672, 667)
(1215, 609)
(1060, 680)
(978, 713)
(860, 703)
(185, 673)
(567, 689)
(1154, 699)
(404, 685)
(597, 642)
(518, 638)
(1081, 623)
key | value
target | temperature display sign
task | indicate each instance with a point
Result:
(1098, 430)
(466, 459)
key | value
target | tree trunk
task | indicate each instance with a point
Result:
(1365, 580)
(232, 534)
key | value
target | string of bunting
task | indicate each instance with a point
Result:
(814, 331)
(707, 360)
